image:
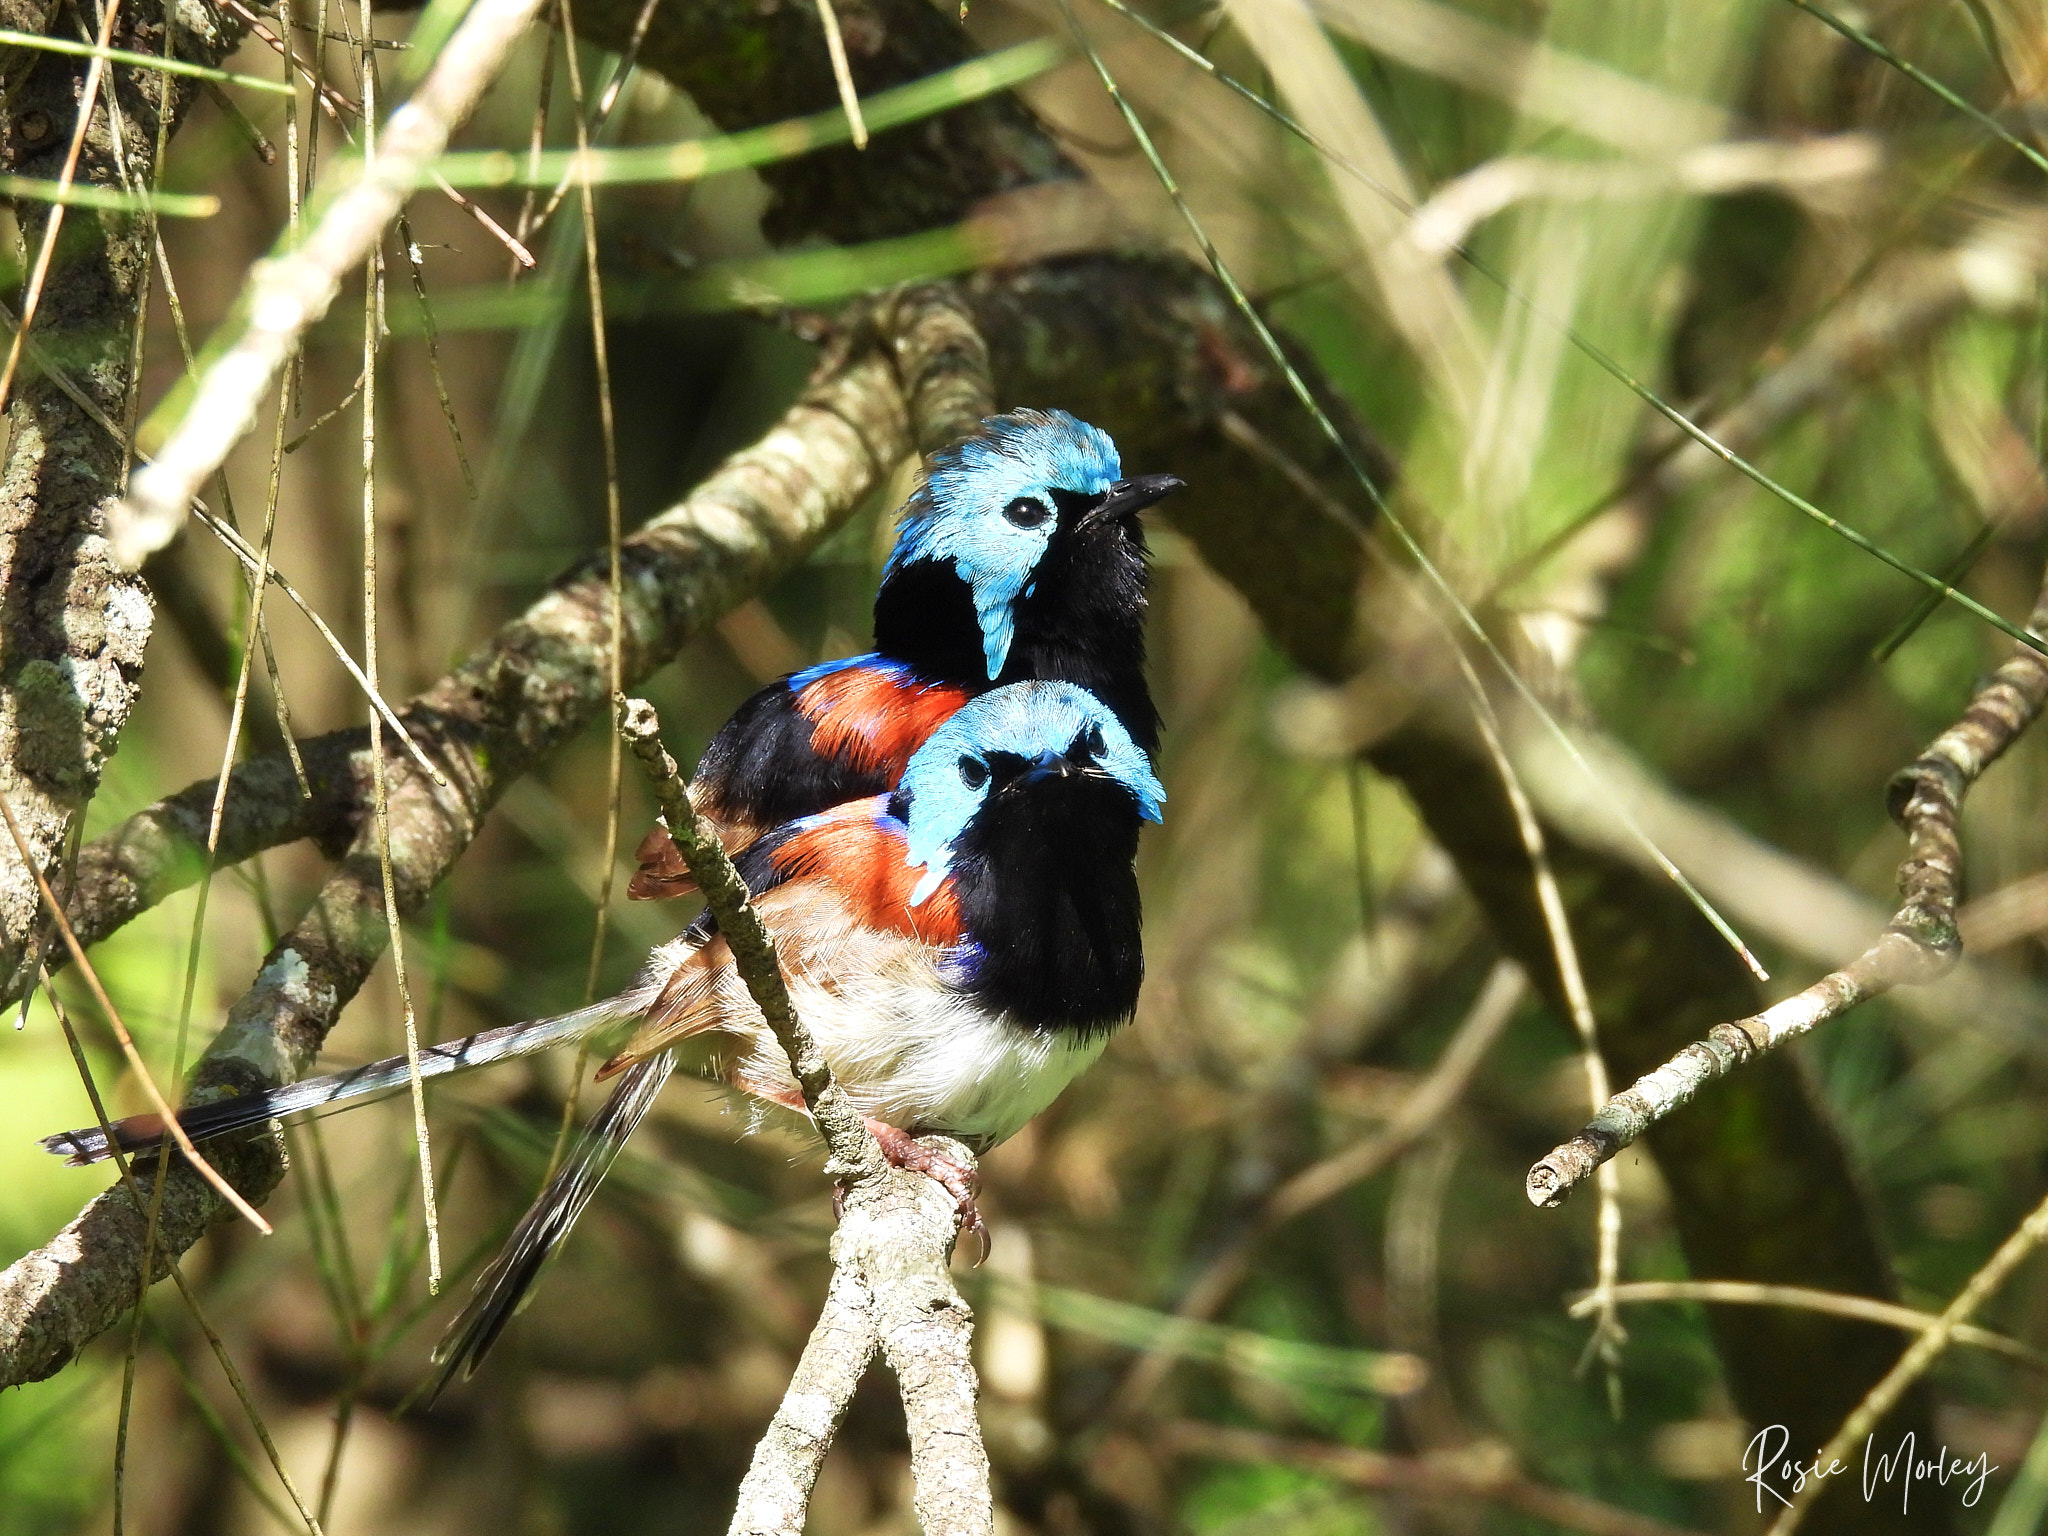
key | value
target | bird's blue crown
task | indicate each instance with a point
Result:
(1048, 725)
(989, 507)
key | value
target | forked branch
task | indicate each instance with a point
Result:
(890, 1290)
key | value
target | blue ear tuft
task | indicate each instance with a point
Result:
(998, 625)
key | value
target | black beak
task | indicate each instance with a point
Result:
(1048, 765)
(1133, 495)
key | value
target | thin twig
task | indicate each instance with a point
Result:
(1920, 945)
(889, 1253)
(855, 1156)
(326, 416)
(1912, 1365)
(1754, 1293)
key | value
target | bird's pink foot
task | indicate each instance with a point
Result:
(902, 1151)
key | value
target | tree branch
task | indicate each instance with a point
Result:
(1920, 944)
(890, 1288)
(1107, 337)
(73, 623)
(538, 681)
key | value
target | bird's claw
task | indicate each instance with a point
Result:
(902, 1150)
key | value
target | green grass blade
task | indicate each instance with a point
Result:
(1923, 610)
(817, 277)
(13, 39)
(693, 159)
(1941, 590)
(1921, 78)
(1237, 1349)
(170, 205)
(1407, 539)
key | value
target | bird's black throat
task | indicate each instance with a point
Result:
(1049, 902)
(1082, 620)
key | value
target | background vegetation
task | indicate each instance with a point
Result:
(1854, 292)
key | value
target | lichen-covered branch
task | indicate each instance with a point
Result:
(1148, 348)
(1919, 945)
(776, 1492)
(854, 1153)
(73, 624)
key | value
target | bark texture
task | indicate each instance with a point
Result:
(73, 627)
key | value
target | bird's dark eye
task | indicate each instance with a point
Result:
(1093, 743)
(1027, 512)
(973, 772)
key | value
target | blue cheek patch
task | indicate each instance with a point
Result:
(997, 561)
(993, 596)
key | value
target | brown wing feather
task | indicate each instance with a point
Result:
(663, 874)
(811, 921)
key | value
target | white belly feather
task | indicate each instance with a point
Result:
(910, 1050)
(921, 1057)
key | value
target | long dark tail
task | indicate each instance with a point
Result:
(141, 1132)
(501, 1288)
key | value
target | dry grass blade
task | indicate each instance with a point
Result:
(126, 1174)
(1750, 1293)
(1920, 77)
(842, 73)
(78, 957)
(1434, 580)
(1417, 297)
(1608, 1334)
(1540, 81)
(380, 799)
(293, 290)
(240, 548)
(1912, 1365)
(614, 527)
(1697, 435)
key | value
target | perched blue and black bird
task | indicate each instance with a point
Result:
(1020, 557)
(961, 948)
